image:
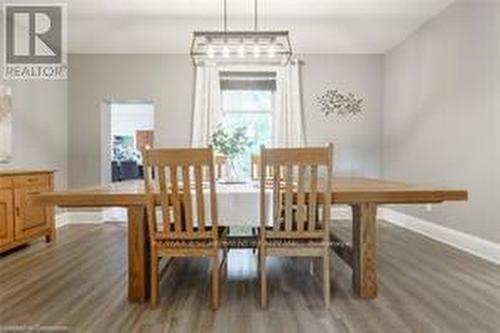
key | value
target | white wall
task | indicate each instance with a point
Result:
(130, 117)
(442, 114)
(39, 124)
(167, 81)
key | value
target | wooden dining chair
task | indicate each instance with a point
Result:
(301, 209)
(220, 164)
(185, 229)
(255, 168)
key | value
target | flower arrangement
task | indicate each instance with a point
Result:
(333, 102)
(5, 124)
(230, 142)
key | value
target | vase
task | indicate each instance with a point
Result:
(232, 173)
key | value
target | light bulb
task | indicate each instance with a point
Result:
(256, 51)
(225, 51)
(210, 51)
(271, 52)
(241, 51)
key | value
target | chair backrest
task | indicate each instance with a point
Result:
(220, 162)
(255, 168)
(301, 196)
(178, 188)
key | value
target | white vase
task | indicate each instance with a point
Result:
(231, 171)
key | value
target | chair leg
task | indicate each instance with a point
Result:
(226, 262)
(263, 282)
(222, 273)
(257, 288)
(154, 279)
(254, 234)
(215, 282)
(326, 277)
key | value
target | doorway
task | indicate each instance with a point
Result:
(130, 130)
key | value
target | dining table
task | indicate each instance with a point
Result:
(238, 205)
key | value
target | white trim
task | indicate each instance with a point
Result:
(91, 217)
(472, 244)
(341, 212)
(114, 215)
(61, 219)
(120, 215)
(78, 217)
(84, 217)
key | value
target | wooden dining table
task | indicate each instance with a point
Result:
(361, 194)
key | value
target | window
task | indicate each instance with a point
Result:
(251, 109)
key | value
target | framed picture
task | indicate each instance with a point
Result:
(5, 124)
(123, 148)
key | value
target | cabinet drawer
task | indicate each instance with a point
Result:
(5, 182)
(32, 180)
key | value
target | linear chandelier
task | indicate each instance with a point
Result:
(241, 47)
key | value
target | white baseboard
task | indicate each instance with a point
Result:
(120, 214)
(474, 245)
(114, 215)
(341, 212)
(78, 217)
(61, 219)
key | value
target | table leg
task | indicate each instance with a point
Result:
(365, 250)
(51, 233)
(138, 255)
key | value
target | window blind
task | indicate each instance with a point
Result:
(237, 80)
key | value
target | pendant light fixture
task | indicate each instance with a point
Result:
(241, 47)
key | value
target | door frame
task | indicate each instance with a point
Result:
(105, 153)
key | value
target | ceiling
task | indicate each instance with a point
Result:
(316, 26)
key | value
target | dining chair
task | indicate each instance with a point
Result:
(186, 229)
(220, 163)
(300, 209)
(255, 168)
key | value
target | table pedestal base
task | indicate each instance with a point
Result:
(361, 256)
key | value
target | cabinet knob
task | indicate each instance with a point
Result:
(17, 211)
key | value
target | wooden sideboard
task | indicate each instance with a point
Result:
(21, 220)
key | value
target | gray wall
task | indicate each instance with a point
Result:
(357, 140)
(441, 120)
(39, 124)
(167, 81)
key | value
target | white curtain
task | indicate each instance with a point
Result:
(288, 126)
(207, 105)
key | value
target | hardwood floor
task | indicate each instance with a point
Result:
(79, 284)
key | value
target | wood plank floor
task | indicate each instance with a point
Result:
(79, 284)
